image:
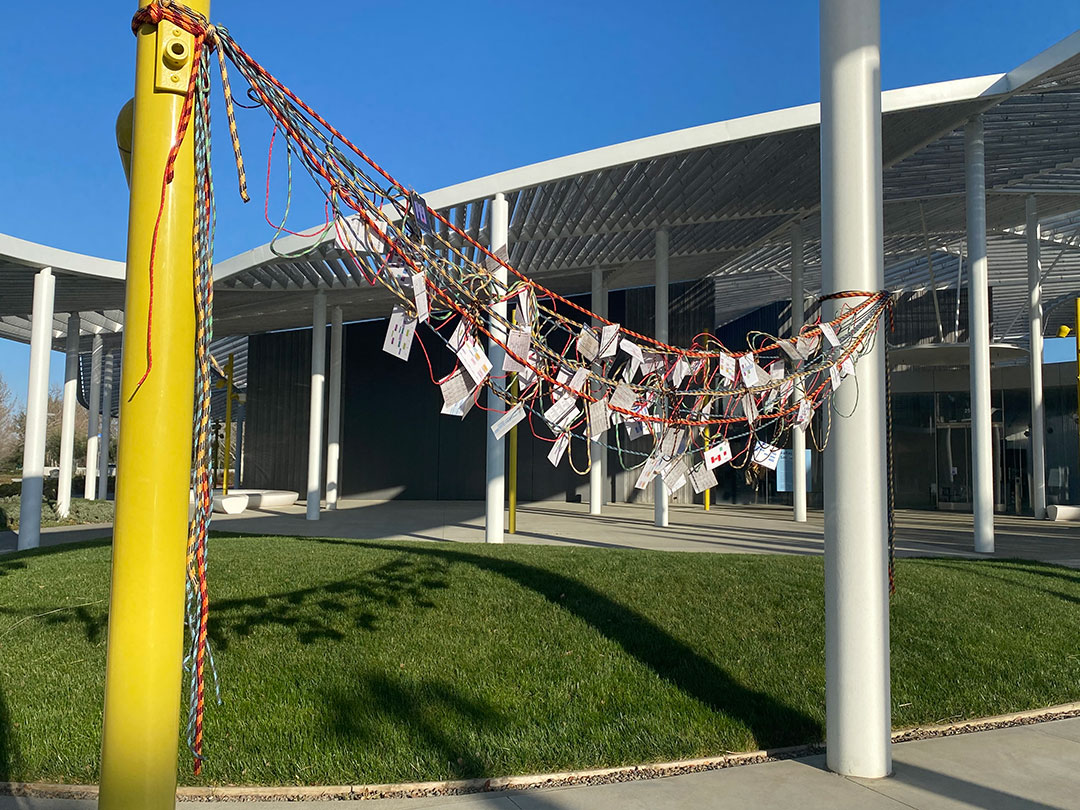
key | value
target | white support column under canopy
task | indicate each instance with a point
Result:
(798, 436)
(37, 405)
(494, 499)
(333, 430)
(598, 449)
(660, 491)
(856, 562)
(107, 386)
(1038, 407)
(315, 409)
(982, 452)
(93, 432)
(67, 419)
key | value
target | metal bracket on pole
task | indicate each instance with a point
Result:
(174, 49)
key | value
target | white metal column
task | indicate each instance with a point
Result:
(660, 491)
(315, 410)
(67, 419)
(93, 433)
(982, 452)
(107, 386)
(495, 497)
(333, 430)
(798, 437)
(856, 570)
(1038, 408)
(598, 450)
(37, 410)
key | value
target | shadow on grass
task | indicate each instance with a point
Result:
(1003, 571)
(772, 722)
(9, 751)
(434, 718)
(395, 583)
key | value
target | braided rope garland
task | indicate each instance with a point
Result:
(687, 399)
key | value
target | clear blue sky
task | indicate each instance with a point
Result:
(443, 92)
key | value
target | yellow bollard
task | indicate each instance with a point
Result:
(146, 609)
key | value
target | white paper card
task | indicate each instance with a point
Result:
(508, 420)
(635, 429)
(748, 368)
(749, 408)
(609, 340)
(726, 366)
(847, 367)
(563, 405)
(623, 397)
(577, 382)
(399, 334)
(555, 454)
(588, 345)
(648, 472)
(525, 311)
(702, 478)
(776, 370)
(599, 417)
(789, 349)
(718, 454)
(834, 377)
(680, 372)
(419, 286)
(518, 342)
(459, 335)
(766, 455)
(474, 360)
(805, 411)
(806, 345)
(829, 333)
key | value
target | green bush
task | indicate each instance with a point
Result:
(82, 511)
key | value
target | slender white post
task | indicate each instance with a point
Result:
(37, 407)
(106, 427)
(67, 420)
(495, 496)
(798, 437)
(982, 452)
(598, 470)
(856, 571)
(93, 433)
(660, 491)
(1038, 408)
(333, 430)
(315, 411)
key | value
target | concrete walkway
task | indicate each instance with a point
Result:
(1023, 768)
(732, 529)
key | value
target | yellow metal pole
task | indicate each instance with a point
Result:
(228, 425)
(146, 610)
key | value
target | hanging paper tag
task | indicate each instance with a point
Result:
(718, 454)
(459, 335)
(577, 382)
(419, 286)
(679, 372)
(748, 368)
(789, 349)
(599, 417)
(457, 392)
(588, 345)
(635, 429)
(517, 343)
(555, 454)
(750, 410)
(503, 424)
(847, 367)
(623, 397)
(702, 478)
(805, 412)
(829, 333)
(648, 472)
(525, 312)
(834, 377)
(776, 370)
(474, 360)
(563, 405)
(399, 334)
(806, 345)
(420, 212)
(726, 366)
(766, 455)
(675, 475)
(609, 340)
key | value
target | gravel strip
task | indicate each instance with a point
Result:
(601, 776)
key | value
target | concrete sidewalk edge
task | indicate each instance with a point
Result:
(623, 773)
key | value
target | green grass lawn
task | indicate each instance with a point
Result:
(349, 662)
(81, 511)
